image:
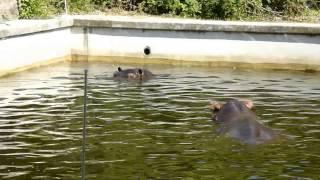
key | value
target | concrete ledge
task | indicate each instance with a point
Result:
(194, 25)
(22, 27)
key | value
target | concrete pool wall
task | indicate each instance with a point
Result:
(29, 43)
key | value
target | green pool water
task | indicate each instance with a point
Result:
(158, 129)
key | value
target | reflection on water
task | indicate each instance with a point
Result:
(159, 129)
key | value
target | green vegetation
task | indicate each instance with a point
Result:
(34, 8)
(292, 10)
(30, 9)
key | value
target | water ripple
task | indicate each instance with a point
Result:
(159, 129)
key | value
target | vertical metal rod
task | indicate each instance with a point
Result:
(83, 170)
(66, 7)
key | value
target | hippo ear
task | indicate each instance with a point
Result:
(119, 69)
(215, 106)
(248, 104)
(140, 71)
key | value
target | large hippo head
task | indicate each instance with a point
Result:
(237, 120)
(132, 74)
(231, 109)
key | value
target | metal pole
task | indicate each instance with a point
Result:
(83, 170)
(66, 7)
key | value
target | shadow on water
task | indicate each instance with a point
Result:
(158, 129)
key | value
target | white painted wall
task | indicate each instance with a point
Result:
(26, 50)
(79, 43)
(232, 47)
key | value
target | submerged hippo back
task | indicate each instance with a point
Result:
(247, 129)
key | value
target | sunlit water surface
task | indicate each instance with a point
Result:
(159, 129)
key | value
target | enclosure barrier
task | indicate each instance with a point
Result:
(83, 155)
(158, 40)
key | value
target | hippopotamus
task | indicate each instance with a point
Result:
(133, 74)
(238, 121)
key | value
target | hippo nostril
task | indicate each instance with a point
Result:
(147, 50)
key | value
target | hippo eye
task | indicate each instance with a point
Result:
(119, 69)
(140, 71)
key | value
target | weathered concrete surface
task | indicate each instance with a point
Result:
(24, 27)
(8, 9)
(25, 43)
(19, 53)
(208, 46)
(15, 28)
(266, 44)
(194, 25)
